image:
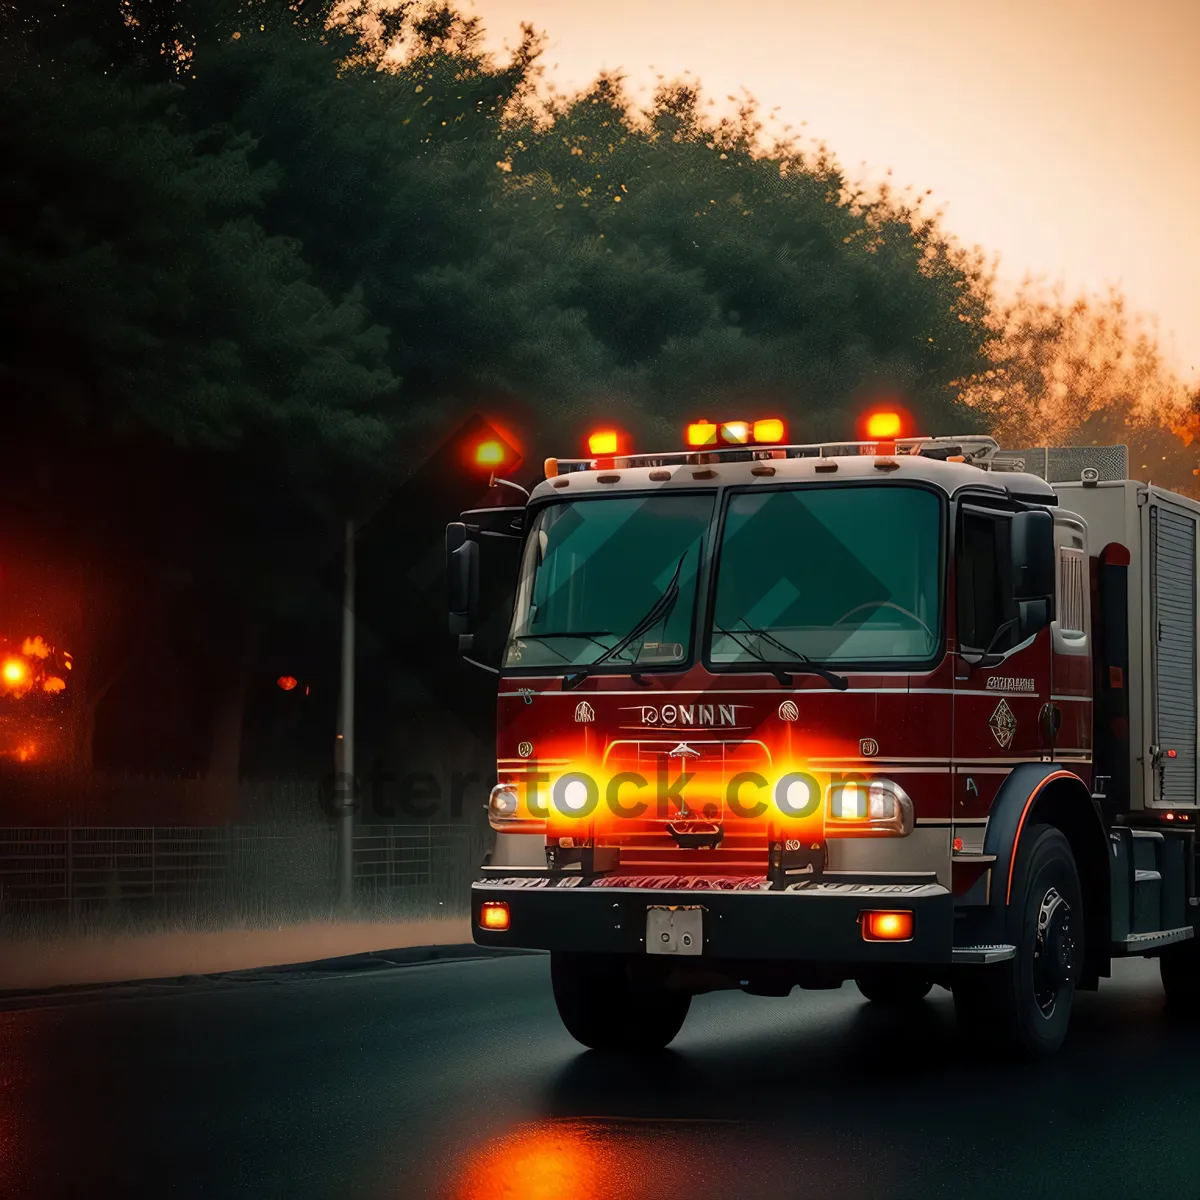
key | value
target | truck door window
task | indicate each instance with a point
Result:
(985, 591)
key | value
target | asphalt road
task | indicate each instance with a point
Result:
(456, 1080)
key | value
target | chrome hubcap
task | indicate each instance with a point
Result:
(1053, 951)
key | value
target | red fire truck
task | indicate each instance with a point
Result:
(906, 712)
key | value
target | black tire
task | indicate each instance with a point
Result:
(1023, 1006)
(893, 989)
(602, 1008)
(1179, 967)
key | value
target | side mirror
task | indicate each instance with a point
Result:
(1033, 556)
(462, 578)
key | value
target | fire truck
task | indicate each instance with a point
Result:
(911, 711)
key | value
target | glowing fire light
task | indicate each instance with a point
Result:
(287, 682)
(35, 647)
(15, 672)
(53, 684)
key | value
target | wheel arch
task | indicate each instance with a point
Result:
(1049, 794)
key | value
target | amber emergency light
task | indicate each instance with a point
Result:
(493, 914)
(489, 454)
(603, 442)
(880, 926)
(767, 431)
(884, 424)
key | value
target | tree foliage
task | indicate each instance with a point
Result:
(1087, 372)
(254, 252)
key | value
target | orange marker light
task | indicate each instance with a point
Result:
(769, 429)
(493, 914)
(887, 926)
(489, 454)
(735, 433)
(883, 425)
(603, 442)
(701, 433)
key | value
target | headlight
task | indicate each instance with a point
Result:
(575, 795)
(877, 806)
(848, 802)
(502, 803)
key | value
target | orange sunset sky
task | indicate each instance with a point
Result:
(1062, 134)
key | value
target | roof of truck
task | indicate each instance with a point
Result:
(715, 470)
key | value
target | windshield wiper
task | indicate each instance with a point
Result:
(810, 668)
(658, 611)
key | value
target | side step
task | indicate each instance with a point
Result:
(1139, 943)
(982, 954)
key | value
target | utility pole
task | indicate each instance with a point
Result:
(343, 757)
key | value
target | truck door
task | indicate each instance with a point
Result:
(1172, 755)
(997, 709)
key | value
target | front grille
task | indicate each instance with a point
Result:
(646, 841)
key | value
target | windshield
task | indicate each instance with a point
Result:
(832, 574)
(594, 571)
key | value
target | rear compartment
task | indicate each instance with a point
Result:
(1152, 656)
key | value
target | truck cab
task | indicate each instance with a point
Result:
(773, 715)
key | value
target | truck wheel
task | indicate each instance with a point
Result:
(1024, 1005)
(895, 989)
(603, 1009)
(1179, 967)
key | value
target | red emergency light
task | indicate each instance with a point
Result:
(489, 450)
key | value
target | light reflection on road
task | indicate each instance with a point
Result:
(617, 1159)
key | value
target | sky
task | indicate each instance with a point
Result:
(1063, 135)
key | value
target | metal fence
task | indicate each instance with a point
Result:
(244, 869)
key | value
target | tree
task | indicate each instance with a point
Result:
(208, 406)
(1086, 372)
